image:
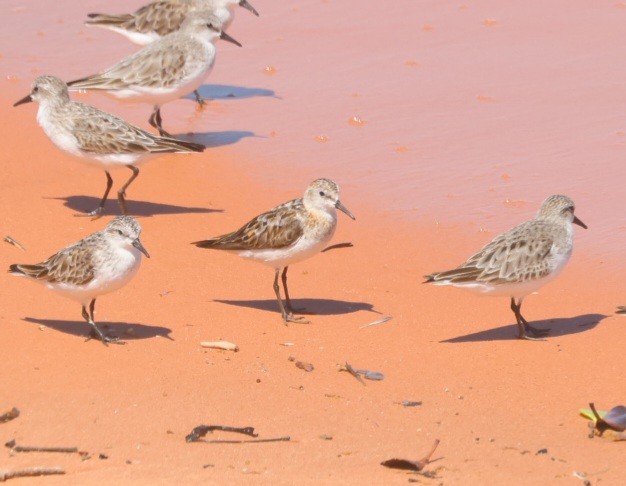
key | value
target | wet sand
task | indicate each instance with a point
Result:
(473, 113)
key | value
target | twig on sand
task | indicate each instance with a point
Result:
(350, 369)
(29, 472)
(249, 441)
(337, 246)
(12, 241)
(67, 450)
(202, 430)
(376, 323)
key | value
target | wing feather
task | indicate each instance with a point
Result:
(277, 228)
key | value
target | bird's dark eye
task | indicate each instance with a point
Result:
(119, 232)
(35, 89)
(322, 193)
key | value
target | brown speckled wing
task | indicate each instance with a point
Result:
(277, 228)
(72, 265)
(158, 65)
(511, 257)
(100, 133)
(159, 17)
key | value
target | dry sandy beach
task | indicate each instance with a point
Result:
(444, 123)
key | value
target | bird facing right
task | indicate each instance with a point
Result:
(98, 264)
(289, 233)
(521, 260)
(156, 19)
(165, 70)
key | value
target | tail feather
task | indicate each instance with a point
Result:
(456, 275)
(35, 271)
(15, 268)
(92, 82)
(105, 19)
(206, 243)
(183, 145)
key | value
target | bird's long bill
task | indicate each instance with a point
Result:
(247, 6)
(26, 99)
(137, 244)
(579, 222)
(341, 207)
(228, 38)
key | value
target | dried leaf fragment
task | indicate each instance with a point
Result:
(613, 422)
(10, 415)
(406, 464)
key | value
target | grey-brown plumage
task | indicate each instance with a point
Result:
(94, 135)
(521, 260)
(165, 70)
(99, 263)
(277, 228)
(163, 17)
(289, 233)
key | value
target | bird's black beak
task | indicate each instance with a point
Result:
(247, 6)
(25, 99)
(344, 209)
(228, 38)
(137, 244)
(579, 222)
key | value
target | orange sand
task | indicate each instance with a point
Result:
(470, 115)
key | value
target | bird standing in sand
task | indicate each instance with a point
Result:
(289, 233)
(166, 69)
(157, 19)
(96, 136)
(521, 260)
(98, 264)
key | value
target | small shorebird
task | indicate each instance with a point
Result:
(289, 233)
(96, 136)
(521, 260)
(96, 265)
(157, 19)
(165, 70)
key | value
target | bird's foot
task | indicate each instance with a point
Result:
(529, 338)
(95, 214)
(100, 336)
(199, 99)
(536, 331)
(287, 318)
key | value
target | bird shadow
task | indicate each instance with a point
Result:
(558, 327)
(229, 92)
(219, 139)
(123, 330)
(83, 204)
(320, 307)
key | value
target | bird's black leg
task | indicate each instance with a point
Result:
(156, 121)
(95, 331)
(199, 99)
(122, 192)
(287, 314)
(96, 213)
(523, 325)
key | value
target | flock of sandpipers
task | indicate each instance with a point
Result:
(178, 56)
